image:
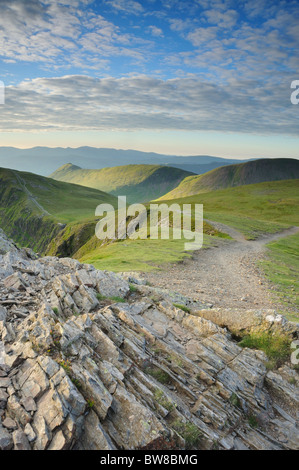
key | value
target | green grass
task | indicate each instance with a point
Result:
(276, 346)
(117, 299)
(138, 255)
(67, 202)
(158, 374)
(282, 270)
(133, 288)
(189, 432)
(235, 400)
(182, 307)
(163, 401)
(252, 172)
(252, 209)
(252, 421)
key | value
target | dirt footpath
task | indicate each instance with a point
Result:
(223, 276)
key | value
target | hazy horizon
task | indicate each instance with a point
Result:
(128, 149)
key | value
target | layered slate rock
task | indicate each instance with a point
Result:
(81, 369)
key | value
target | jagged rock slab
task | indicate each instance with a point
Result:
(79, 370)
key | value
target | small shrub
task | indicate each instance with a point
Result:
(90, 403)
(66, 365)
(159, 375)
(235, 400)
(76, 382)
(182, 307)
(162, 400)
(157, 351)
(252, 421)
(118, 299)
(133, 288)
(189, 432)
(101, 297)
(270, 365)
(55, 310)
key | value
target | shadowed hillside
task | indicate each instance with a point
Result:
(257, 171)
(34, 209)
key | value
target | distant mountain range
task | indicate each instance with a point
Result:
(45, 160)
(252, 172)
(139, 183)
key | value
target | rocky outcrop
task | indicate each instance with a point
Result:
(87, 362)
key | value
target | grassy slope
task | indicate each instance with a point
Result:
(253, 172)
(282, 269)
(26, 223)
(140, 183)
(139, 255)
(252, 209)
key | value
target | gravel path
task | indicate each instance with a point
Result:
(223, 276)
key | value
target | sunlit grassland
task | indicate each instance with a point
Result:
(282, 269)
(252, 209)
(139, 255)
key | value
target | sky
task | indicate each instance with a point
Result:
(185, 77)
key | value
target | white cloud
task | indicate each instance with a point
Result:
(59, 33)
(244, 57)
(155, 31)
(86, 103)
(127, 6)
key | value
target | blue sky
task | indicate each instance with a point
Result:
(171, 76)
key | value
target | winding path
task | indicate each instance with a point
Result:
(225, 275)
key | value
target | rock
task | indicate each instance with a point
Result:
(3, 399)
(10, 424)
(284, 390)
(17, 412)
(5, 382)
(3, 316)
(132, 424)
(15, 281)
(20, 441)
(6, 442)
(31, 436)
(29, 404)
(139, 374)
(58, 442)
(43, 435)
(94, 437)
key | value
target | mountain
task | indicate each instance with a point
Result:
(256, 171)
(45, 160)
(34, 209)
(140, 183)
